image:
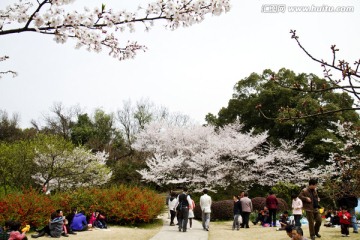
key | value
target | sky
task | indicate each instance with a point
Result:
(190, 70)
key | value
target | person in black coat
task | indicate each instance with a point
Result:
(237, 212)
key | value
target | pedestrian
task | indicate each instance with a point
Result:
(297, 209)
(351, 202)
(205, 205)
(167, 203)
(237, 213)
(246, 206)
(310, 200)
(345, 221)
(272, 204)
(183, 203)
(172, 206)
(191, 212)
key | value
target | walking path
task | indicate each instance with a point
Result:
(172, 232)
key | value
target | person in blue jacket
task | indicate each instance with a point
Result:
(79, 222)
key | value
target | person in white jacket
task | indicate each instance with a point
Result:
(205, 205)
(297, 209)
(172, 206)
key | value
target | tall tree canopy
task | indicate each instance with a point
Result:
(258, 90)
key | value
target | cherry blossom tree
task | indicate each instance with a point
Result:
(101, 26)
(204, 157)
(59, 166)
(342, 174)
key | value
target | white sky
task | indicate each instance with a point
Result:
(190, 70)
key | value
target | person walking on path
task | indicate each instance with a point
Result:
(205, 205)
(172, 206)
(272, 205)
(184, 202)
(237, 213)
(246, 206)
(310, 200)
(191, 212)
(351, 202)
(297, 209)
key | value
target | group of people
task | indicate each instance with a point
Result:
(308, 200)
(59, 225)
(182, 207)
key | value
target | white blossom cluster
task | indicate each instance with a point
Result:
(346, 159)
(100, 27)
(203, 157)
(69, 170)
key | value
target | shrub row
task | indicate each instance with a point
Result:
(223, 210)
(121, 204)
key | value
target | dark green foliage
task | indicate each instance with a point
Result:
(277, 101)
(221, 210)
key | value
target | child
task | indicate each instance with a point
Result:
(345, 219)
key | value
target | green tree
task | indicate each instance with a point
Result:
(258, 91)
(9, 127)
(16, 165)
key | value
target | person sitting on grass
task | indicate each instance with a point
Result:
(297, 234)
(99, 221)
(14, 228)
(284, 221)
(263, 217)
(79, 222)
(55, 226)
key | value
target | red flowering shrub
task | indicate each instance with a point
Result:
(120, 204)
(29, 207)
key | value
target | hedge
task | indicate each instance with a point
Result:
(121, 205)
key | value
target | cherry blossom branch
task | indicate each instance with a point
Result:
(4, 58)
(98, 27)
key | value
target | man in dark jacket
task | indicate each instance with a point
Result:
(310, 200)
(351, 202)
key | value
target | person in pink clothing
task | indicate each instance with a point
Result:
(14, 228)
(93, 218)
(191, 212)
